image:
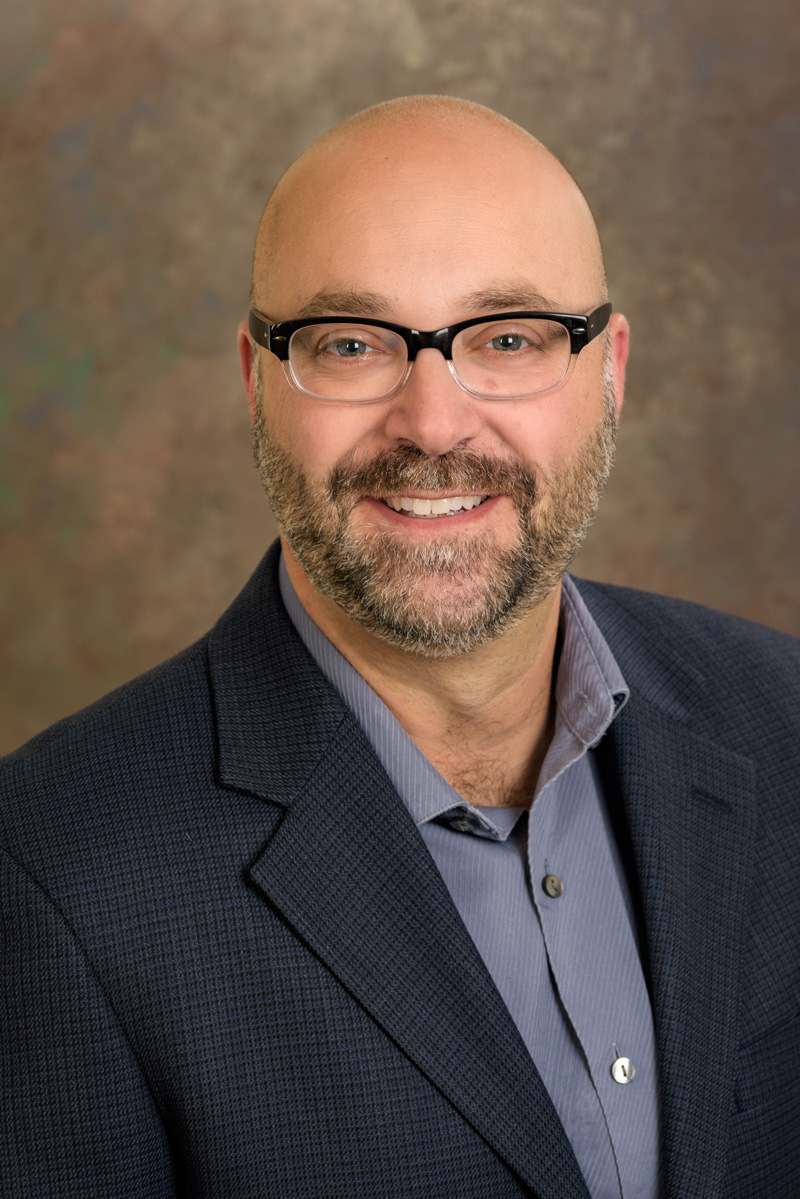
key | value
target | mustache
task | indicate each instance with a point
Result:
(393, 472)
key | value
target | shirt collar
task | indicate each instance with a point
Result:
(590, 689)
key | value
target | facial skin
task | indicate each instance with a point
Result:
(432, 215)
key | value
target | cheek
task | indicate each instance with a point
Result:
(533, 434)
(546, 431)
(316, 435)
(288, 418)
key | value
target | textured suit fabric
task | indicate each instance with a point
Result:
(230, 967)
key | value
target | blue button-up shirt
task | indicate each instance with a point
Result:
(567, 965)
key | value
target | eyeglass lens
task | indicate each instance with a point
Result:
(497, 358)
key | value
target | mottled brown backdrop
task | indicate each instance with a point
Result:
(139, 140)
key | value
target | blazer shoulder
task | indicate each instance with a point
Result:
(735, 680)
(143, 721)
(684, 623)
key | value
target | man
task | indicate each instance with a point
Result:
(428, 871)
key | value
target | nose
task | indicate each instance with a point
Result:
(431, 411)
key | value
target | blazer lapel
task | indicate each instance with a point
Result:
(349, 871)
(689, 808)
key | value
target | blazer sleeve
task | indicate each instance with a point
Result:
(76, 1115)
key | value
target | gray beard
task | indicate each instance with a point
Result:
(444, 597)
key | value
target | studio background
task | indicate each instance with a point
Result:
(139, 140)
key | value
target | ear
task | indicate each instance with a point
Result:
(249, 365)
(620, 339)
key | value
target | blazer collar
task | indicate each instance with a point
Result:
(349, 871)
(276, 715)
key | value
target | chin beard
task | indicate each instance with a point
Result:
(444, 597)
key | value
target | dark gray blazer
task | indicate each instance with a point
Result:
(231, 969)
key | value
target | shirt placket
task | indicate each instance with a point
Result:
(577, 890)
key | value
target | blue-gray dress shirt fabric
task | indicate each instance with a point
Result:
(567, 966)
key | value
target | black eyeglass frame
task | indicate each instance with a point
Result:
(276, 336)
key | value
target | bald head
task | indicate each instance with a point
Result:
(422, 182)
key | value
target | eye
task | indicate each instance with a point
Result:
(508, 342)
(346, 347)
(513, 338)
(347, 343)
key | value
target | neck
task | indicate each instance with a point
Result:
(484, 718)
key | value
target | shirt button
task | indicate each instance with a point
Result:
(462, 824)
(622, 1070)
(553, 886)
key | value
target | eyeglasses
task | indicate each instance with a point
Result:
(362, 361)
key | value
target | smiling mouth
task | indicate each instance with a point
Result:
(446, 506)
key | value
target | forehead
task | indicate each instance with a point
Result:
(424, 222)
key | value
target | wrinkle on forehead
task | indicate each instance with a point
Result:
(416, 145)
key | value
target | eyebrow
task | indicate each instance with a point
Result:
(348, 303)
(498, 298)
(507, 298)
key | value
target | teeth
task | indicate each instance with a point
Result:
(446, 506)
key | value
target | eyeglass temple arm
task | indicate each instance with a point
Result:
(259, 331)
(596, 321)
